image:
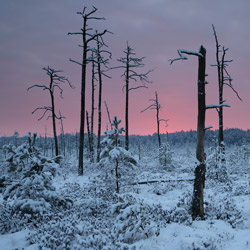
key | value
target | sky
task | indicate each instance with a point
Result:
(33, 35)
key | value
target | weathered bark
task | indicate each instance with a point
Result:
(199, 182)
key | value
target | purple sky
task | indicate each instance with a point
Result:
(33, 35)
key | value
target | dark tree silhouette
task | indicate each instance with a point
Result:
(87, 37)
(156, 105)
(131, 63)
(199, 182)
(224, 78)
(55, 81)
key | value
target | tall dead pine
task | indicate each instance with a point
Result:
(156, 105)
(224, 78)
(199, 182)
(87, 37)
(130, 64)
(54, 83)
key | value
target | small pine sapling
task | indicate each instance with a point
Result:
(113, 153)
(28, 178)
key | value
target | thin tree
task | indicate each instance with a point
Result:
(62, 135)
(156, 106)
(87, 37)
(130, 64)
(92, 110)
(224, 78)
(107, 109)
(100, 61)
(54, 83)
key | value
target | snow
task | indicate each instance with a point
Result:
(212, 106)
(16, 241)
(145, 216)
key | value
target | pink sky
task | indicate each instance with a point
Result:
(33, 35)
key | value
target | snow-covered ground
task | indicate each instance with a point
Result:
(143, 216)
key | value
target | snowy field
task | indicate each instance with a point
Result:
(154, 215)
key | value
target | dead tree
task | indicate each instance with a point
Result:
(156, 105)
(130, 64)
(92, 111)
(63, 143)
(199, 182)
(223, 79)
(107, 109)
(89, 138)
(54, 82)
(100, 61)
(87, 37)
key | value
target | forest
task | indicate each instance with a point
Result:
(111, 189)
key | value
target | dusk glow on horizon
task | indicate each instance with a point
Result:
(33, 35)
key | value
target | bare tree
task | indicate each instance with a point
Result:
(87, 37)
(156, 105)
(107, 109)
(131, 63)
(92, 110)
(199, 182)
(54, 83)
(62, 135)
(223, 79)
(100, 61)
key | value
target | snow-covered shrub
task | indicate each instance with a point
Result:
(113, 157)
(217, 164)
(165, 155)
(181, 213)
(223, 209)
(134, 220)
(29, 178)
(12, 221)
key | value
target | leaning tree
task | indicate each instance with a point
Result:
(55, 81)
(130, 64)
(87, 37)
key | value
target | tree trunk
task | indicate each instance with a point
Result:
(99, 103)
(199, 182)
(92, 110)
(158, 121)
(126, 105)
(83, 87)
(54, 121)
(89, 137)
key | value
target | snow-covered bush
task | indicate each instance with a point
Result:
(165, 155)
(223, 209)
(134, 220)
(181, 213)
(29, 178)
(217, 164)
(115, 158)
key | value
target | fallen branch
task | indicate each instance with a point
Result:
(159, 181)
